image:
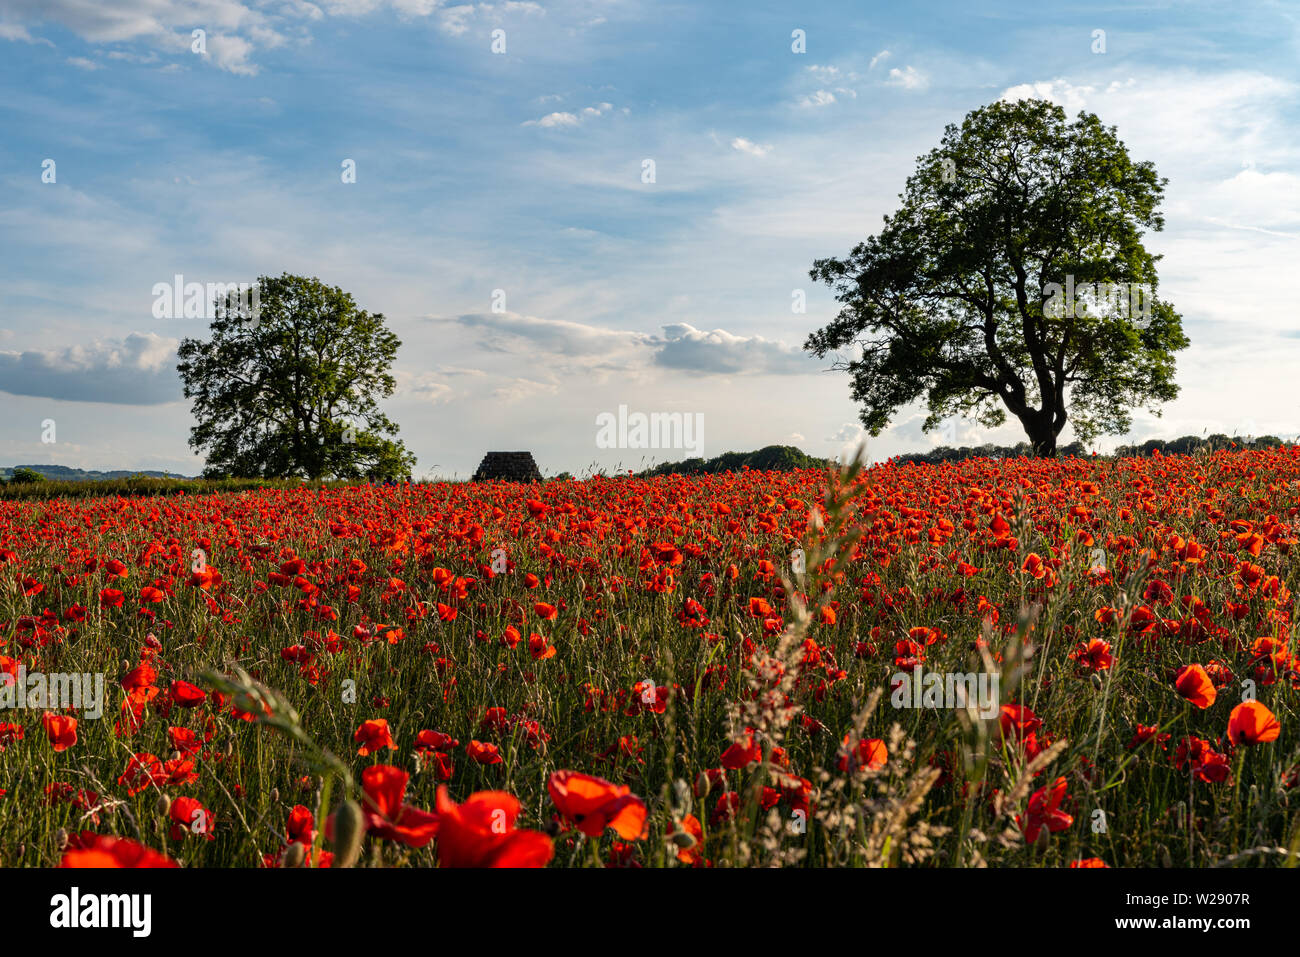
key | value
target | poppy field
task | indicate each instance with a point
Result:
(663, 672)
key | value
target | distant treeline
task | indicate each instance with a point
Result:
(773, 458)
(62, 473)
(41, 488)
(1187, 445)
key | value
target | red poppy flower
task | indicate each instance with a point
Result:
(387, 816)
(188, 816)
(594, 804)
(1045, 811)
(1252, 723)
(483, 753)
(61, 729)
(742, 752)
(101, 851)
(186, 695)
(1194, 684)
(481, 833)
(870, 753)
(373, 735)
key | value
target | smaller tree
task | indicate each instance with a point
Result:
(292, 387)
(23, 476)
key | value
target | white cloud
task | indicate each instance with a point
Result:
(909, 78)
(137, 370)
(84, 64)
(1064, 94)
(565, 119)
(880, 57)
(820, 98)
(752, 148)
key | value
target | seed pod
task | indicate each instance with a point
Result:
(684, 840)
(348, 825)
(702, 785)
(61, 838)
(163, 804)
(295, 854)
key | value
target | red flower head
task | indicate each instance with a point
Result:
(481, 833)
(373, 735)
(61, 728)
(594, 804)
(101, 850)
(1194, 684)
(386, 814)
(1252, 723)
(186, 695)
(483, 753)
(1045, 811)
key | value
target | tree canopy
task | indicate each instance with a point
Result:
(1012, 278)
(292, 386)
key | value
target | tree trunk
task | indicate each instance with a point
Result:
(1042, 435)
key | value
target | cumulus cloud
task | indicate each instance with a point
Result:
(909, 78)
(820, 98)
(750, 147)
(422, 387)
(563, 119)
(848, 432)
(1070, 96)
(681, 347)
(513, 332)
(235, 29)
(718, 352)
(137, 370)
(458, 20)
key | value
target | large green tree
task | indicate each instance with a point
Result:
(1011, 279)
(292, 387)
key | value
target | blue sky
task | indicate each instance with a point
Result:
(521, 172)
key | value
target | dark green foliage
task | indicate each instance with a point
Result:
(294, 390)
(778, 458)
(26, 476)
(947, 303)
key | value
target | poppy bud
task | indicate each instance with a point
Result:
(176, 755)
(163, 805)
(61, 838)
(1096, 681)
(295, 854)
(702, 785)
(348, 827)
(684, 840)
(275, 795)
(1044, 836)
